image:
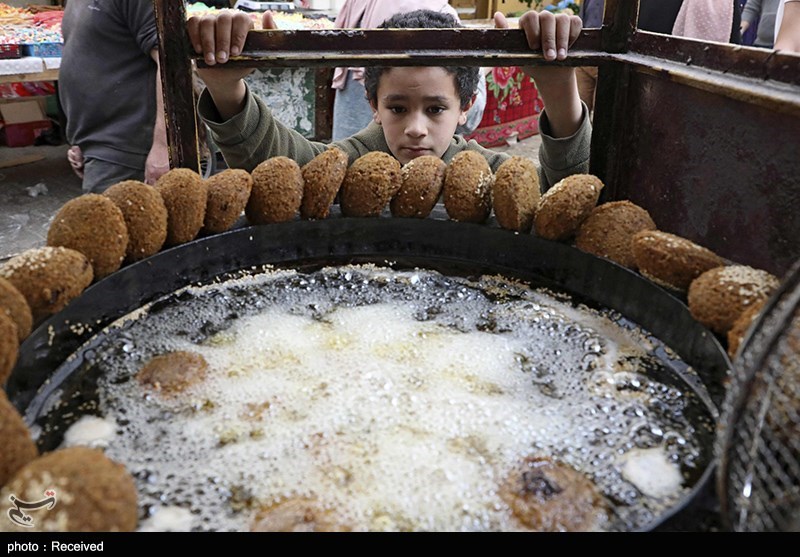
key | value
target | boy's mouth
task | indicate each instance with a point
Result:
(416, 151)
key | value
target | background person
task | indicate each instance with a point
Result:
(110, 92)
(763, 11)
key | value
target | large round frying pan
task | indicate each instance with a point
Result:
(433, 243)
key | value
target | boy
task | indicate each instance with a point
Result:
(417, 109)
(351, 111)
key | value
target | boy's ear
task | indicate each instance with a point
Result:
(462, 118)
(375, 116)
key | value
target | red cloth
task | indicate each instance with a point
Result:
(49, 18)
(512, 108)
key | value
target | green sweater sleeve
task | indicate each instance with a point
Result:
(254, 135)
(559, 158)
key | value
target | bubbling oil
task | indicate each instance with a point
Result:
(393, 400)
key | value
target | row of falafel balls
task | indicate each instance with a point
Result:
(93, 235)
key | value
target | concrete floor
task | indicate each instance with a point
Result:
(32, 193)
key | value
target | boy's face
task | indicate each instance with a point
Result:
(419, 109)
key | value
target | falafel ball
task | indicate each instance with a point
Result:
(564, 207)
(515, 194)
(18, 447)
(9, 346)
(277, 191)
(741, 326)
(609, 229)
(671, 261)
(422, 180)
(370, 182)
(93, 225)
(13, 304)
(173, 372)
(297, 515)
(49, 278)
(323, 176)
(467, 190)
(145, 217)
(718, 297)
(549, 496)
(92, 492)
(228, 193)
(184, 195)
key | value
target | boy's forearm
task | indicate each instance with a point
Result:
(559, 91)
(228, 98)
(254, 135)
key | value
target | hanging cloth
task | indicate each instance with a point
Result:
(708, 20)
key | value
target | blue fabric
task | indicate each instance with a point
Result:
(592, 13)
(351, 110)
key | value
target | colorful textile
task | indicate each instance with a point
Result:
(512, 108)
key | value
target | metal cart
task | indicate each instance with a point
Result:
(705, 136)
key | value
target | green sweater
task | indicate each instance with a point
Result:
(254, 135)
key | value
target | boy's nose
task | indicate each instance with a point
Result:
(416, 126)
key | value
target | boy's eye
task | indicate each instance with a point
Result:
(436, 109)
(396, 109)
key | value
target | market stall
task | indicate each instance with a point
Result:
(725, 101)
(30, 56)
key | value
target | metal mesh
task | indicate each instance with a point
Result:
(759, 443)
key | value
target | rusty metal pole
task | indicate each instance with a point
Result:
(174, 52)
(619, 27)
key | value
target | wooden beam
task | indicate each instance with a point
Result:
(46, 75)
(390, 47)
(619, 24)
(176, 80)
(761, 64)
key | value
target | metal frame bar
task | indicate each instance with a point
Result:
(631, 64)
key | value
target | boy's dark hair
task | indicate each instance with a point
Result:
(466, 78)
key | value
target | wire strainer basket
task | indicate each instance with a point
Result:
(758, 479)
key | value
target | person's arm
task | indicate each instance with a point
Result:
(241, 125)
(749, 14)
(254, 135)
(158, 158)
(558, 87)
(789, 32)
